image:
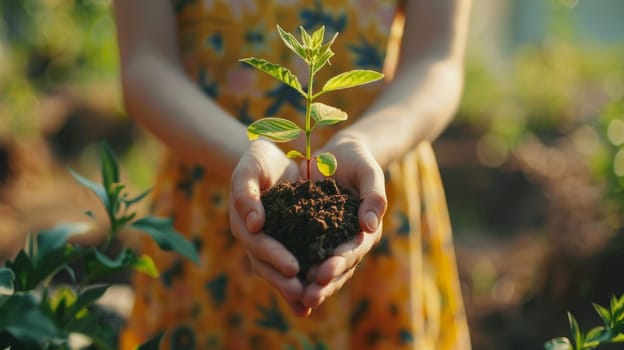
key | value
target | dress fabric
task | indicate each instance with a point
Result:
(404, 295)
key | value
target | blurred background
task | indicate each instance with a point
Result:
(533, 164)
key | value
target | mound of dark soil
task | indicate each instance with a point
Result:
(310, 219)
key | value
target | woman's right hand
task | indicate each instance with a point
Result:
(262, 166)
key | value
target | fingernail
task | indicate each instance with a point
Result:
(252, 217)
(372, 221)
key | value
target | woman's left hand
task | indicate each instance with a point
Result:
(359, 172)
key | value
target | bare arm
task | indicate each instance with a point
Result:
(161, 97)
(419, 103)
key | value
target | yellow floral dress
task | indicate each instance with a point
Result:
(404, 295)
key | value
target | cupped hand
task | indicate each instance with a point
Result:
(262, 166)
(359, 172)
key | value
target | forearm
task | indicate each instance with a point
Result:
(161, 98)
(423, 97)
(416, 106)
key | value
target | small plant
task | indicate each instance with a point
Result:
(316, 55)
(36, 313)
(611, 332)
(309, 218)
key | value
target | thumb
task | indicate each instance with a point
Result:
(374, 202)
(245, 195)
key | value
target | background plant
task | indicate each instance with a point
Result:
(36, 313)
(316, 55)
(611, 332)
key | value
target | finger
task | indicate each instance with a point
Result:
(374, 202)
(346, 257)
(245, 195)
(265, 248)
(291, 288)
(314, 294)
(299, 309)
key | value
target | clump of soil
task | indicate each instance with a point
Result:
(310, 219)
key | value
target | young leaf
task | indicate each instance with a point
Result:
(110, 171)
(146, 265)
(577, 335)
(138, 198)
(321, 60)
(88, 296)
(326, 163)
(275, 129)
(306, 38)
(292, 154)
(280, 73)
(167, 238)
(323, 114)
(292, 43)
(6, 281)
(351, 79)
(317, 37)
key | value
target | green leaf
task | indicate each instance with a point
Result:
(321, 60)
(110, 170)
(317, 37)
(24, 271)
(351, 79)
(558, 344)
(293, 154)
(167, 238)
(326, 163)
(292, 43)
(152, 344)
(96, 188)
(280, 73)
(89, 296)
(306, 39)
(56, 237)
(323, 114)
(23, 318)
(6, 281)
(146, 265)
(275, 129)
(577, 336)
(604, 315)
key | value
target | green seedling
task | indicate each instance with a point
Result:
(316, 55)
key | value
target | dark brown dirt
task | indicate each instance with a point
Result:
(310, 219)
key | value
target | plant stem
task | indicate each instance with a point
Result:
(309, 99)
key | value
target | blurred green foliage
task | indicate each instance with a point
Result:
(46, 44)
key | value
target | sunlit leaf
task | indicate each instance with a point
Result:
(306, 39)
(292, 43)
(326, 163)
(293, 154)
(318, 36)
(323, 114)
(558, 344)
(604, 315)
(351, 79)
(275, 129)
(146, 265)
(280, 73)
(6, 281)
(162, 232)
(321, 60)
